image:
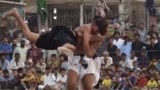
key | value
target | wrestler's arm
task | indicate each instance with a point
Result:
(25, 29)
(86, 39)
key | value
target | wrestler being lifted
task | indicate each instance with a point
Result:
(63, 39)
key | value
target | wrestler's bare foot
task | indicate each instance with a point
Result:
(65, 50)
(12, 12)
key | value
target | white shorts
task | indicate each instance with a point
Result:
(93, 67)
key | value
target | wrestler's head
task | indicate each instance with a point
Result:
(99, 26)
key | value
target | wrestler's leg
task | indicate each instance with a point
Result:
(67, 49)
(87, 82)
(72, 79)
(25, 29)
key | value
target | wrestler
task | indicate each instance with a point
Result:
(62, 38)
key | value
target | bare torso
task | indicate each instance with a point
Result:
(79, 46)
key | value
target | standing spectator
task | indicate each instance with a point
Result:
(34, 53)
(126, 47)
(143, 60)
(6, 48)
(22, 50)
(16, 63)
(142, 32)
(153, 49)
(137, 45)
(111, 48)
(4, 64)
(153, 31)
(118, 41)
(14, 44)
(132, 31)
(106, 60)
(41, 64)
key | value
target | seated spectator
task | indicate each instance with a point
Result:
(63, 79)
(27, 79)
(153, 62)
(16, 63)
(41, 64)
(106, 60)
(142, 82)
(123, 85)
(4, 64)
(125, 62)
(6, 80)
(48, 79)
(116, 79)
(132, 80)
(53, 61)
(152, 83)
(38, 79)
(29, 63)
(106, 83)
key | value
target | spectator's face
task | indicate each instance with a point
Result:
(6, 75)
(29, 73)
(136, 37)
(112, 67)
(107, 77)
(48, 71)
(61, 59)
(15, 73)
(142, 53)
(141, 26)
(132, 54)
(117, 74)
(143, 75)
(32, 45)
(17, 57)
(22, 43)
(3, 57)
(105, 56)
(63, 73)
(53, 58)
(123, 57)
(152, 41)
(111, 41)
(117, 35)
(5, 40)
(153, 28)
(56, 71)
(14, 42)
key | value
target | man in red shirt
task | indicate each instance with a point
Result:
(34, 53)
(142, 82)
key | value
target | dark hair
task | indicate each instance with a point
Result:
(97, 17)
(117, 33)
(47, 68)
(125, 37)
(62, 69)
(53, 55)
(5, 71)
(20, 70)
(2, 54)
(17, 54)
(123, 54)
(136, 34)
(102, 25)
(152, 38)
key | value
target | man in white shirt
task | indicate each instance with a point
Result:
(124, 62)
(118, 41)
(16, 63)
(106, 60)
(22, 50)
(132, 59)
(48, 79)
(63, 78)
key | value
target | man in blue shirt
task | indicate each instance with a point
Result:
(6, 48)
